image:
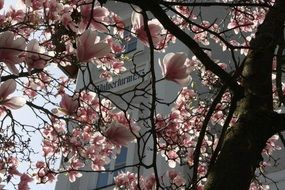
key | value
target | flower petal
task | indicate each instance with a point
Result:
(87, 48)
(137, 20)
(8, 87)
(119, 134)
(175, 68)
(15, 103)
(101, 49)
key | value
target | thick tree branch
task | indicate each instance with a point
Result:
(160, 14)
(244, 143)
(212, 4)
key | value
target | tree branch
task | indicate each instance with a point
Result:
(160, 14)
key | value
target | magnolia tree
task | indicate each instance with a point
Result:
(223, 123)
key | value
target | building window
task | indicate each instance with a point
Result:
(102, 179)
(131, 41)
(121, 161)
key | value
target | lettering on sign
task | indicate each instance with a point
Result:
(118, 83)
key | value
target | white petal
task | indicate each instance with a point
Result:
(7, 88)
(137, 20)
(15, 103)
(167, 58)
(171, 163)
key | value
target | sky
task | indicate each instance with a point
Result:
(24, 115)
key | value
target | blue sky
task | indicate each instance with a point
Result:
(25, 116)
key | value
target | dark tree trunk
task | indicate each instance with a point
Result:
(241, 152)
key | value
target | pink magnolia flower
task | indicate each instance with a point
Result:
(179, 180)
(119, 134)
(116, 47)
(10, 49)
(120, 25)
(88, 46)
(7, 88)
(100, 17)
(36, 5)
(16, 15)
(127, 180)
(68, 104)
(12, 170)
(150, 182)
(138, 29)
(76, 164)
(72, 175)
(175, 68)
(35, 57)
(25, 179)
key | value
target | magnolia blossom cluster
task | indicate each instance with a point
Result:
(179, 131)
(12, 52)
(219, 115)
(184, 12)
(79, 141)
(210, 79)
(34, 85)
(243, 19)
(204, 32)
(8, 171)
(243, 22)
(86, 45)
(255, 185)
(128, 180)
(154, 27)
(271, 145)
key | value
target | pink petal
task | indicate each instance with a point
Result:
(119, 134)
(15, 103)
(19, 44)
(100, 12)
(69, 104)
(154, 27)
(174, 58)
(33, 46)
(174, 68)
(10, 50)
(5, 38)
(162, 68)
(72, 175)
(8, 87)
(87, 49)
(100, 27)
(101, 49)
